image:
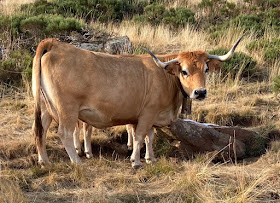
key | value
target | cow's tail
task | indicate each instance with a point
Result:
(42, 48)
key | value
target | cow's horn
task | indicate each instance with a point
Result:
(226, 56)
(159, 62)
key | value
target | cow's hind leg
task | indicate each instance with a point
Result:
(87, 140)
(65, 131)
(76, 136)
(149, 156)
(130, 134)
(46, 120)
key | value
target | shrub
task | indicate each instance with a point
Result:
(156, 14)
(38, 25)
(250, 23)
(276, 84)
(11, 23)
(264, 4)
(178, 17)
(273, 18)
(17, 65)
(219, 9)
(236, 62)
(271, 49)
(103, 10)
(50, 24)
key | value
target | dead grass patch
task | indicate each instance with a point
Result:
(10, 191)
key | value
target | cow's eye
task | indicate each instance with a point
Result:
(206, 69)
(184, 73)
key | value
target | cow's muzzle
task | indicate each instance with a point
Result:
(199, 94)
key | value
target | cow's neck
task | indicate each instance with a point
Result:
(175, 86)
(173, 102)
(185, 95)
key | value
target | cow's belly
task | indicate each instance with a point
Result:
(98, 119)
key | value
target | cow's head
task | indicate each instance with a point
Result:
(191, 69)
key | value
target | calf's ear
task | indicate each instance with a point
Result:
(173, 68)
(214, 65)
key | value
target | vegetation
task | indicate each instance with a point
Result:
(18, 65)
(276, 84)
(240, 63)
(270, 48)
(156, 14)
(243, 94)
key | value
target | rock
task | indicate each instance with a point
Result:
(196, 138)
(120, 45)
(100, 43)
(91, 46)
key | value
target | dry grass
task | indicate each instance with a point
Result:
(9, 7)
(159, 39)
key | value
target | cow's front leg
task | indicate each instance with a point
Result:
(149, 156)
(135, 156)
(142, 129)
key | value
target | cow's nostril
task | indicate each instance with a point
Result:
(203, 92)
(196, 92)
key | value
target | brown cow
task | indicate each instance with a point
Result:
(107, 90)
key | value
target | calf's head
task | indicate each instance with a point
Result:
(191, 69)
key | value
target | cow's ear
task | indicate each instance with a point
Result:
(214, 65)
(173, 68)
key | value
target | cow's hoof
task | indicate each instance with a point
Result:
(76, 161)
(136, 165)
(129, 147)
(43, 164)
(89, 155)
(79, 152)
(150, 161)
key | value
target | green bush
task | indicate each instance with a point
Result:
(11, 24)
(178, 17)
(276, 84)
(273, 18)
(263, 4)
(219, 10)
(38, 25)
(250, 23)
(156, 14)
(19, 64)
(236, 62)
(271, 49)
(50, 24)
(102, 10)
(153, 13)
(229, 9)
